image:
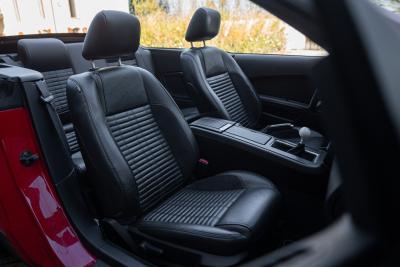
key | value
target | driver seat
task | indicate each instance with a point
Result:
(220, 88)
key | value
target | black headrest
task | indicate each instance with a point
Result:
(111, 34)
(44, 54)
(204, 25)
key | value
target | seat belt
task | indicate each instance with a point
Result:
(48, 98)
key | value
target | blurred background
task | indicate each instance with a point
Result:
(245, 27)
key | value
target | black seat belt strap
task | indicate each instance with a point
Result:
(48, 98)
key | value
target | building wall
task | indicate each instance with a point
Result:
(41, 16)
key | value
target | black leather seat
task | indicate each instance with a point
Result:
(141, 153)
(218, 85)
(50, 57)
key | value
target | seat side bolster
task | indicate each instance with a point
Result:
(114, 185)
(144, 59)
(245, 89)
(204, 96)
(255, 209)
(172, 124)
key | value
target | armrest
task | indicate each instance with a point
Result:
(213, 124)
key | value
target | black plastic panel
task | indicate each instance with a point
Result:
(10, 94)
(249, 134)
(11, 78)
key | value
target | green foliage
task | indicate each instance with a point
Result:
(392, 5)
(252, 31)
(145, 7)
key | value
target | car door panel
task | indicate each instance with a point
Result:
(284, 86)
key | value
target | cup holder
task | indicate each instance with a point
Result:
(286, 147)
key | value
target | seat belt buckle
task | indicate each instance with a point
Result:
(203, 162)
(202, 168)
(47, 99)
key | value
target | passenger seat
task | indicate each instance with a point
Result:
(219, 86)
(141, 155)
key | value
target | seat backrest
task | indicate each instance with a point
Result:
(141, 58)
(137, 146)
(215, 81)
(50, 57)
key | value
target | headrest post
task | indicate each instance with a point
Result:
(119, 61)
(93, 64)
(204, 43)
(191, 44)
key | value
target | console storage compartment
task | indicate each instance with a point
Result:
(279, 150)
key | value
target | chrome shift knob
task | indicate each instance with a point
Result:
(304, 133)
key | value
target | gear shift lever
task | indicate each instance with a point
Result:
(304, 133)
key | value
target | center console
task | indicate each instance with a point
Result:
(303, 159)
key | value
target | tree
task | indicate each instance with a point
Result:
(1, 23)
(131, 7)
(144, 7)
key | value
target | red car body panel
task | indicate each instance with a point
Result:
(31, 215)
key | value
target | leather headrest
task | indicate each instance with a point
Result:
(43, 54)
(111, 34)
(204, 25)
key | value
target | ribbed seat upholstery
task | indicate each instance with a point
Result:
(225, 90)
(141, 155)
(147, 154)
(194, 207)
(56, 81)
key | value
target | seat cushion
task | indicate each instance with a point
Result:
(222, 214)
